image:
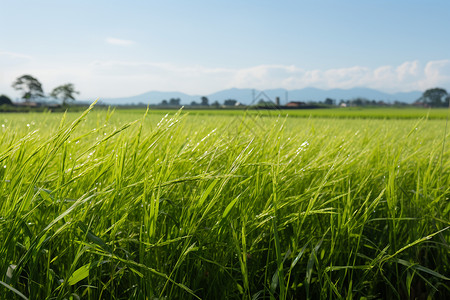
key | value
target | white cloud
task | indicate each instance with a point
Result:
(124, 78)
(407, 76)
(119, 42)
(108, 79)
(271, 76)
(341, 78)
(437, 73)
(408, 70)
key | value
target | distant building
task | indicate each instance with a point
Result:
(420, 104)
(52, 104)
(27, 104)
(295, 104)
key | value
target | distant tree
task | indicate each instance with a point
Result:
(357, 102)
(265, 103)
(31, 87)
(204, 101)
(64, 93)
(434, 97)
(164, 102)
(215, 104)
(5, 100)
(360, 101)
(399, 103)
(193, 103)
(230, 102)
(329, 101)
(174, 101)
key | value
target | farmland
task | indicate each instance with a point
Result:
(225, 205)
(346, 113)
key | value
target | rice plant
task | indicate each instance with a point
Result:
(116, 205)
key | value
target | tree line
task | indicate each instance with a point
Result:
(435, 97)
(204, 102)
(31, 90)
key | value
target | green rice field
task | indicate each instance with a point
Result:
(129, 204)
(333, 113)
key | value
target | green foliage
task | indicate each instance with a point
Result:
(204, 101)
(31, 87)
(5, 100)
(133, 205)
(65, 93)
(174, 101)
(435, 97)
(230, 102)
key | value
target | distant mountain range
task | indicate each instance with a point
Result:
(245, 96)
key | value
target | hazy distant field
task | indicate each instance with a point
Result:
(348, 113)
(225, 205)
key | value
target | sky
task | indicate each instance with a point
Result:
(112, 48)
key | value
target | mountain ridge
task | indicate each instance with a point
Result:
(245, 96)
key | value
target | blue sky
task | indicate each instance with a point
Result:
(124, 48)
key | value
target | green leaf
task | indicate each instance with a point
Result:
(206, 193)
(13, 290)
(240, 288)
(409, 279)
(420, 268)
(310, 266)
(299, 255)
(93, 238)
(137, 272)
(228, 208)
(45, 194)
(80, 274)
